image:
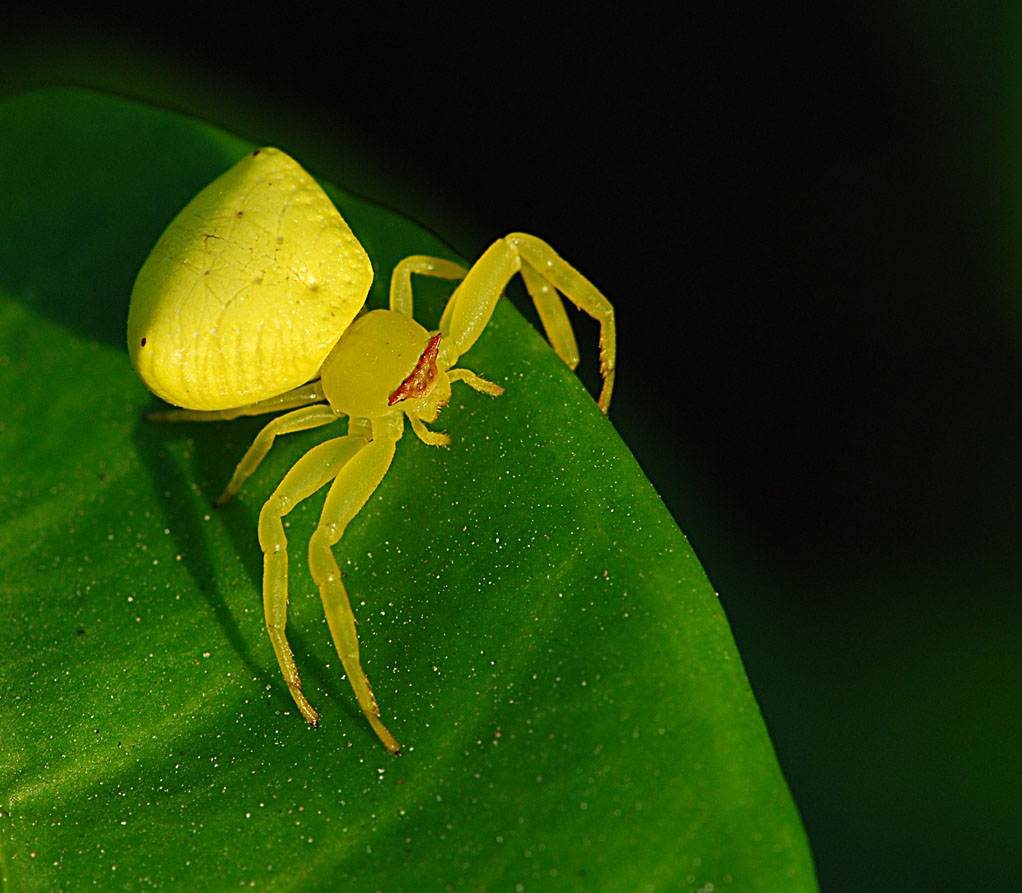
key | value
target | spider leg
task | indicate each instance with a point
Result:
(558, 273)
(545, 273)
(308, 393)
(551, 312)
(316, 468)
(401, 278)
(474, 381)
(297, 420)
(354, 484)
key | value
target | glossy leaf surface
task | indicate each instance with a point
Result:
(539, 633)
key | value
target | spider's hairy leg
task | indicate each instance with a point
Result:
(352, 488)
(315, 469)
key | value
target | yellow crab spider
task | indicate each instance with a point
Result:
(248, 304)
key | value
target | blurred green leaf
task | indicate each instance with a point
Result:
(541, 637)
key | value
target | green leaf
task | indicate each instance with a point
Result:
(541, 638)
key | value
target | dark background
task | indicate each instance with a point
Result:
(809, 222)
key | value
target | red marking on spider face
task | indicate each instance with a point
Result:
(423, 376)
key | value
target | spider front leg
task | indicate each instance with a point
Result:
(545, 273)
(401, 278)
(355, 483)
